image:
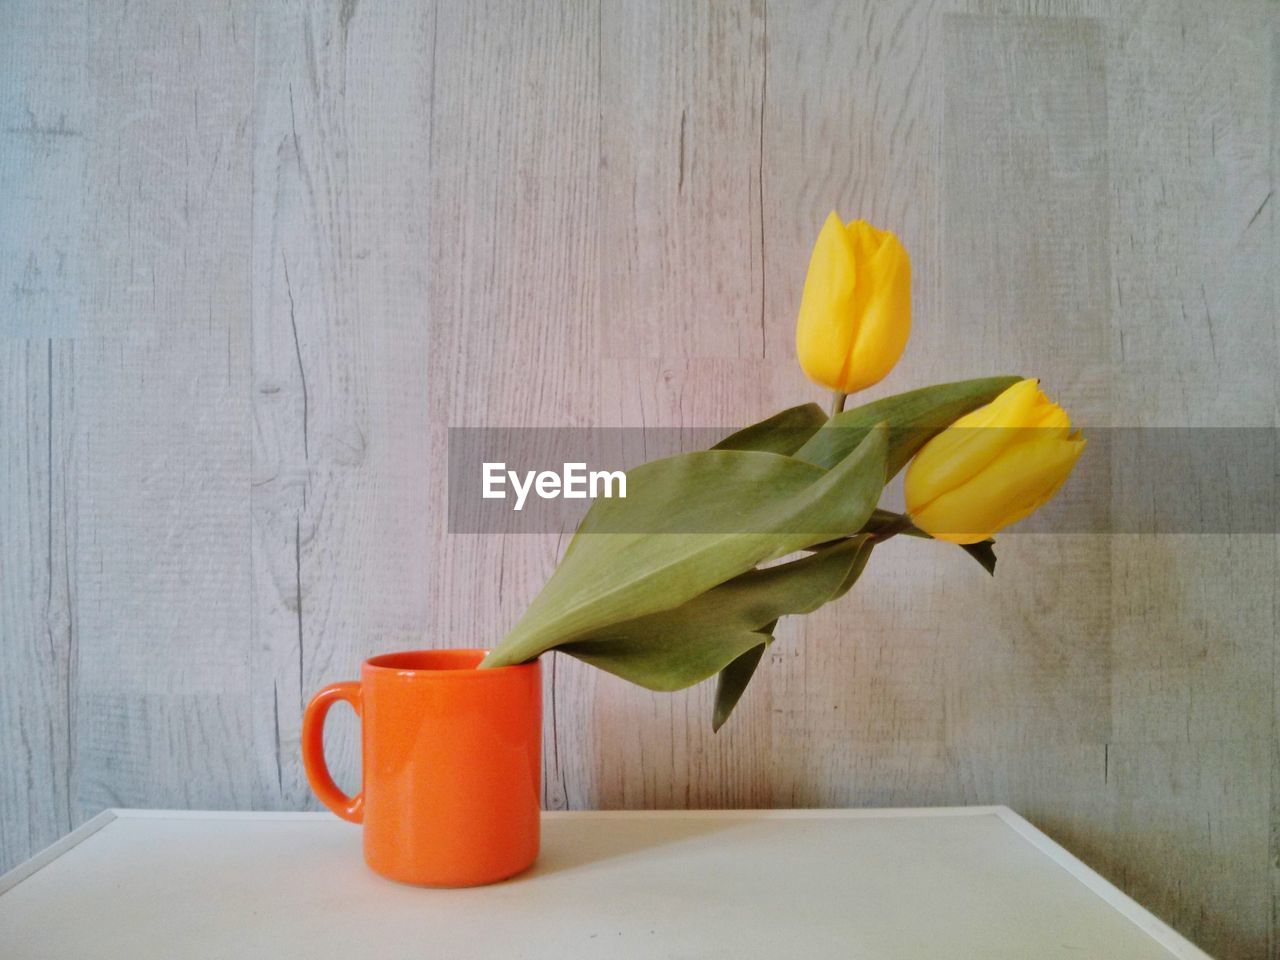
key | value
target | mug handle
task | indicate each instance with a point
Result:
(348, 808)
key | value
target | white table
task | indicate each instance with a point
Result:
(972, 882)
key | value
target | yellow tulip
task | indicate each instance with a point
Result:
(992, 467)
(855, 314)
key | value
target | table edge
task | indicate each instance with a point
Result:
(1112, 895)
(763, 813)
(56, 849)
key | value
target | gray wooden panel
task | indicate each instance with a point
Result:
(851, 123)
(681, 231)
(45, 108)
(295, 243)
(160, 570)
(1025, 287)
(1194, 343)
(37, 646)
(657, 750)
(683, 321)
(341, 315)
(515, 120)
(42, 149)
(1272, 246)
(854, 124)
(159, 425)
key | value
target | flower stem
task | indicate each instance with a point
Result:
(837, 402)
(900, 523)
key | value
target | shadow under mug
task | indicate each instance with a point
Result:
(451, 765)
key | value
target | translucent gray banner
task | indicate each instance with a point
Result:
(1128, 480)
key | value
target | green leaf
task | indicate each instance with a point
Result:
(885, 518)
(783, 433)
(733, 680)
(984, 552)
(677, 648)
(690, 523)
(914, 418)
(865, 546)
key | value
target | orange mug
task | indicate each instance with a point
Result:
(452, 765)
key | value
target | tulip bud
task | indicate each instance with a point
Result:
(855, 314)
(992, 467)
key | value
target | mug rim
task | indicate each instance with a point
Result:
(373, 664)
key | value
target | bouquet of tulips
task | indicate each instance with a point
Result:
(687, 577)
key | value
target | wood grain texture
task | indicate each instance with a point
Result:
(159, 421)
(255, 260)
(854, 124)
(1024, 235)
(680, 157)
(340, 360)
(44, 111)
(1194, 343)
(37, 643)
(512, 291)
(42, 149)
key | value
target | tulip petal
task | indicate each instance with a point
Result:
(1016, 484)
(867, 240)
(968, 446)
(825, 328)
(883, 300)
(1049, 417)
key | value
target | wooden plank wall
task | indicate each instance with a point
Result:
(256, 258)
